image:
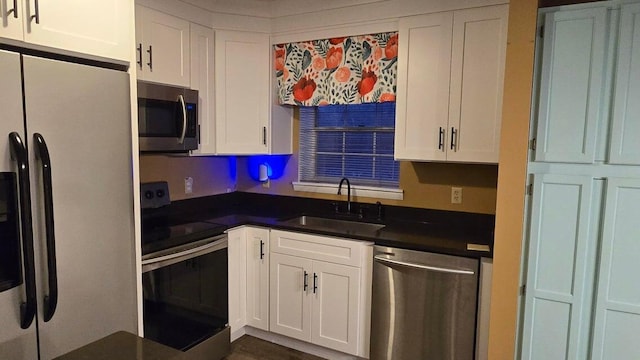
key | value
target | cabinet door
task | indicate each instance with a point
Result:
(571, 85)
(290, 304)
(202, 79)
(560, 268)
(422, 105)
(258, 278)
(242, 92)
(99, 28)
(617, 310)
(625, 147)
(165, 47)
(237, 253)
(11, 16)
(477, 77)
(335, 310)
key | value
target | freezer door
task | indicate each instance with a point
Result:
(15, 342)
(83, 115)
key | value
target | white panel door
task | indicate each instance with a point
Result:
(335, 307)
(559, 271)
(422, 103)
(571, 85)
(165, 47)
(290, 303)
(15, 343)
(100, 28)
(237, 253)
(242, 92)
(11, 16)
(202, 79)
(625, 147)
(477, 77)
(258, 278)
(617, 313)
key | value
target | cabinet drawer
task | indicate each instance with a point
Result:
(325, 248)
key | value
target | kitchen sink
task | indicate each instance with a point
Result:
(337, 225)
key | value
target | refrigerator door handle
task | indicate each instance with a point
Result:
(19, 155)
(42, 154)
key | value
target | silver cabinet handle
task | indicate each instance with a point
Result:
(14, 10)
(381, 259)
(150, 63)
(37, 12)
(184, 119)
(454, 138)
(139, 49)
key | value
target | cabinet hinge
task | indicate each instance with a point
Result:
(541, 31)
(532, 144)
(529, 189)
(523, 290)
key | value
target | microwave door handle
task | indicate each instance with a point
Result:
(184, 119)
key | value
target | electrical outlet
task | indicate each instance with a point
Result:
(188, 185)
(456, 195)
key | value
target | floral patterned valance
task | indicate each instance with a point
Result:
(346, 70)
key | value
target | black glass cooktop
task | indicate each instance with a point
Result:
(162, 237)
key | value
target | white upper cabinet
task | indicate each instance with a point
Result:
(100, 28)
(477, 77)
(450, 80)
(202, 79)
(163, 47)
(242, 92)
(571, 85)
(422, 102)
(624, 145)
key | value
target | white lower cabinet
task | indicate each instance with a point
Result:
(258, 277)
(237, 259)
(320, 290)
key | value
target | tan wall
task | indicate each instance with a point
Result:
(512, 178)
(211, 175)
(425, 185)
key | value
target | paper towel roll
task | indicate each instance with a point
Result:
(263, 172)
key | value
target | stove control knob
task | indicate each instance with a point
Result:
(148, 194)
(160, 193)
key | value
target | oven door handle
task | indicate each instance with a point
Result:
(170, 259)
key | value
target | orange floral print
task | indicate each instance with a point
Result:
(279, 61)
(343, 74)
(303, 89)
(367, 83)
(336, 41)
(377, 55)
(318, 64)
(334, 57)
(387, 97)
(391, 50)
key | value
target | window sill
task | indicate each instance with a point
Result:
(356, 190)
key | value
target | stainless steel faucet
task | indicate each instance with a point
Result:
(348, 193)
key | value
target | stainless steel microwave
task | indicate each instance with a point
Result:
(167, 118)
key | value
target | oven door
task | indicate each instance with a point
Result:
(186, 298)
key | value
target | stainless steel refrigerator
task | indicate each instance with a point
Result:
(67, 272)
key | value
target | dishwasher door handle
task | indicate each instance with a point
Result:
(381, 259)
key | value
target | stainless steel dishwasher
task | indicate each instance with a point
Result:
(423, 305)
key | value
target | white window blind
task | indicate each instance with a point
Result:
(353, 141)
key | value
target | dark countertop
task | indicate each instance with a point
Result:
(123, 346)
(438, 231)
(439, 238)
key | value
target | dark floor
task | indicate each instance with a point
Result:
(250, 348)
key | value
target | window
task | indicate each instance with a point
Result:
(353, 141)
